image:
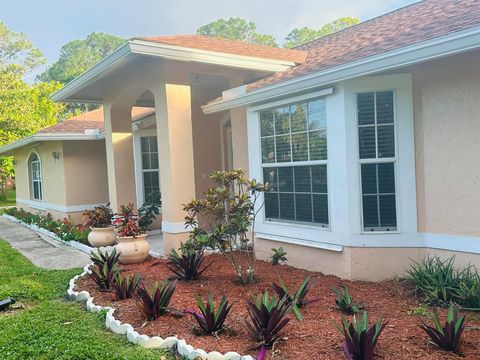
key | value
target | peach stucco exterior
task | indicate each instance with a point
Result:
(76, 179)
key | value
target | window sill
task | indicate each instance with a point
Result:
(301, 242)
(36, 205)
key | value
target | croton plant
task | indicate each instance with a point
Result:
(99, 217)
(126, 221)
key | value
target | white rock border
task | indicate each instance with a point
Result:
(72, 243)
(154, 342)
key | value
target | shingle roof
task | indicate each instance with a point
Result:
(91, 120)
(406, 26)
(230, 47)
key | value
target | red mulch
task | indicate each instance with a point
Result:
(315, 337)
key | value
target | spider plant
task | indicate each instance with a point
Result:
(344, 301)
(269, 316)
(156, 304)
(186, 265)
(298, 298)
(125, 286)
(446, 336)
(211, 320)
(360, 340)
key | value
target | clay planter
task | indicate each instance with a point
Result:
(102, 236)
(133, 249)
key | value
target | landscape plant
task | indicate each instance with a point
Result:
(439, 282)
(105, 268)
(211, 320)
(149, 211)
(278, 255)
(298, 298)
(360, 339)
(345, 302)
(446, 336)
(125, 286)
(99, 217)
(126, 221)
(155, 304)
(223, 218)
(187, 264)
(268, 316)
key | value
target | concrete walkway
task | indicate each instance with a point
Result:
(39, 249)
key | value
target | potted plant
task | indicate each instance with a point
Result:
(131, 238)
(99, 220)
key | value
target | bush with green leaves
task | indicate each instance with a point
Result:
(224, 217)
(278, 255)
(439, 282)
(448, 335)
(149, 211)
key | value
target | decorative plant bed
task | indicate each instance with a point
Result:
(315, 337)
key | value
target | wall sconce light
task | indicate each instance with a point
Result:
(56, 155)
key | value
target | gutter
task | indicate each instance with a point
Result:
(450, 44)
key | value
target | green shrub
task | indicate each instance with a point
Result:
(440, 282)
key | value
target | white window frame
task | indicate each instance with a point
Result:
(30, 176)
(137, 148)
(379, 160)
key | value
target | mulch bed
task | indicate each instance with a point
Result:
(314, 338)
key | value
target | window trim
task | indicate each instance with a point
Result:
(378, 160)
(30, 176)
(289, 102)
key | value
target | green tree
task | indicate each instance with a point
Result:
(77, 56)
(24, 108)
(303, 35)
(236, 29)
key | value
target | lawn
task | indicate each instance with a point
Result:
(10, 200)
(49, 327)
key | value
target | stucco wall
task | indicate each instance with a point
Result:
(52, 170)
(447, 145)
(85, 172)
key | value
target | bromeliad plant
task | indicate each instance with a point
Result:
(298, 299)
(156, 303)
(228, 209)
(125, 286)
(269, 316)
(446, 336)
(278, 255)
(105, 268)
(345, 302)
(186, 265)
(360, 340)
(210, 320)
(99, 217)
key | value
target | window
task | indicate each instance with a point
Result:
(376, 134)
(294, 161)
(150, 172)
(35, 177)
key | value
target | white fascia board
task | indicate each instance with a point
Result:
(451, 44)
(110, 62)
(177, 53)
(48, 137)
(185, 54)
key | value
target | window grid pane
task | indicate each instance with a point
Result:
(150, 165)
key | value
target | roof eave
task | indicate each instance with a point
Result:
(141, 47)
(6, 150)
(450, 44)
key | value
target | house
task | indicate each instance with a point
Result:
(62, 169)
(369, 135)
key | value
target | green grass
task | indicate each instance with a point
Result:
(50, 327)
(11, 198)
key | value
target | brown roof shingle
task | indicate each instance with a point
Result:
(406, 26)
(208, 43)
(91, 120)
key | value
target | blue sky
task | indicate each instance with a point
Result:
(52, 23)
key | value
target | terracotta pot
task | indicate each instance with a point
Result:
(133, 249)
(102, 236)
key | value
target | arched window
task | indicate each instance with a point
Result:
(35, 177)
